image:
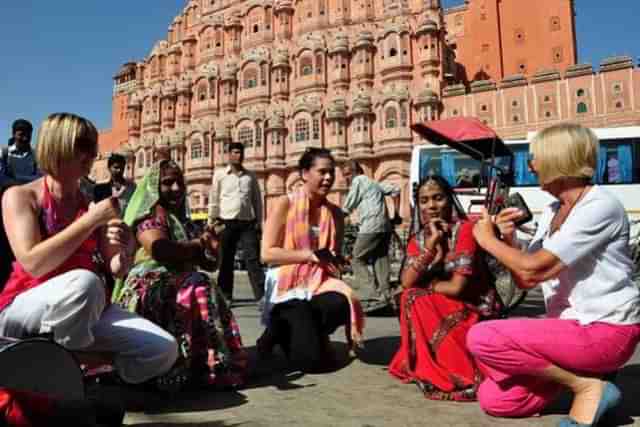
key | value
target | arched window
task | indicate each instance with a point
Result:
(319, 64)
(316, 127)
(148, 159)
(250, 79)
(212, 89)
(140, 160)
(202, 92)
(302, 130)
(306, 66)
(403, 115)
(205, 149)
(391, 118)
(245, 136)
(582, 108)
(268, 19)
(580, 93)
(196, 150)
(258, 136)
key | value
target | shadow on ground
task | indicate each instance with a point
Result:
(171, 424)
(277, 372)
(379, 351)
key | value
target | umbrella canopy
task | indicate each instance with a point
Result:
(465, 134)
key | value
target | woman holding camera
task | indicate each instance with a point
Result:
(580, 257)
(448, 289)
(305, 301)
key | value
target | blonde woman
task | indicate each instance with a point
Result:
(579, 257)
(64, 248)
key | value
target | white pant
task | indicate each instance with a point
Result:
(72, 307)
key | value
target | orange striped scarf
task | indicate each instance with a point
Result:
(310, 276)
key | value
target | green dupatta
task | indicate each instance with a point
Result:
(142, 206)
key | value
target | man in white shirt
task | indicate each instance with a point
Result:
(236, 200)
(17, 160)
(17, 166)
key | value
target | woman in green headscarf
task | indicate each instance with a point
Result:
(165, 286)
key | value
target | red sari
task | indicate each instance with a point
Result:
(434, 327)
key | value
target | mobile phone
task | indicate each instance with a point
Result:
(516, 200)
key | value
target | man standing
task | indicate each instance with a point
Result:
(236, 200)
(17, 166)
(118, 185)
(17, 160)
(374, 233)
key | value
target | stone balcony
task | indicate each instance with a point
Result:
(396, 68)
(311, 83)
(395, 141)
(205, 108)
(255, 94)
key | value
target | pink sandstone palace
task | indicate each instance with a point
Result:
(351, 76)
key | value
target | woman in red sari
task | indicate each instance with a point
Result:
(448, 289)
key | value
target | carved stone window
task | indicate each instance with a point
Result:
(196, 150)
(245, 136)
(302, 130)
(391, 118)
(316, 128)
(306, 66)
(250, 79)
(258, 135)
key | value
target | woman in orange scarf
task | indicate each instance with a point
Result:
(305, 301)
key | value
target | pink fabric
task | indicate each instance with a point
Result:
(511, 353)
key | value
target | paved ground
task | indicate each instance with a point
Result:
(360, 394)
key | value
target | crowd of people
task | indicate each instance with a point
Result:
(116, 272)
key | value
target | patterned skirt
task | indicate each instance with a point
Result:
(433, 352)
(190, 307)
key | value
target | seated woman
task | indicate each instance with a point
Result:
(448, 290)
(305, 301)
(64, 249)
(580, 257)
(165, 287)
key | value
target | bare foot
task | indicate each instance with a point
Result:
(587, 397)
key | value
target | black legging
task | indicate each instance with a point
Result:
(302, 328)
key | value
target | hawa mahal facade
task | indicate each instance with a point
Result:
(351, 76)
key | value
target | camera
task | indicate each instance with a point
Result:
(498, 198)
(516, 200)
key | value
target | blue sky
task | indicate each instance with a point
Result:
(61, 55)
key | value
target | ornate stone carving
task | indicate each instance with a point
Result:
(361, 104)
(340, 44)
(365, 40)
(309, 103)
(337, 109)
(281, 57)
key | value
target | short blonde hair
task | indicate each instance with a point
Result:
(565, 150)
(60, 137)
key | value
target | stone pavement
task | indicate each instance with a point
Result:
(360, 394)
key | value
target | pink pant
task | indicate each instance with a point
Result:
(512, 352)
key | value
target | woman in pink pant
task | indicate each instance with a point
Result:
(579, 256)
